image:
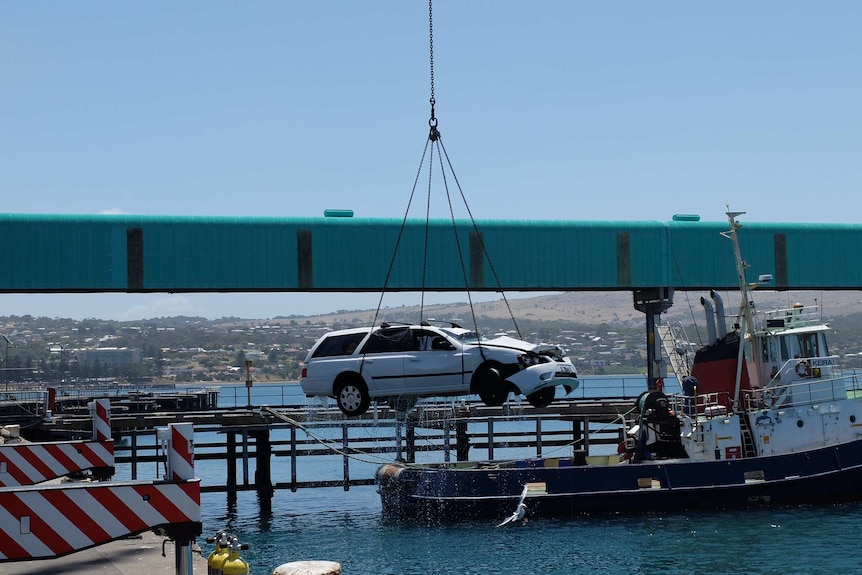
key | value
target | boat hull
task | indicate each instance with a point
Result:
(440, 494)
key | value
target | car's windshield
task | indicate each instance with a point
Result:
(466, 336)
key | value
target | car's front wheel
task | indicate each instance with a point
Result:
(489, 384)
(351, 395)
(542, 398)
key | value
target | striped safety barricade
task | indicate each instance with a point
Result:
(31, 463)
(49, 521)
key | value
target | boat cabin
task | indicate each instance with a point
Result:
(795, 366)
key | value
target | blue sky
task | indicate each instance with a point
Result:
(548, 110)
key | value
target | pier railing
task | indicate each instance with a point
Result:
(283, 455)
(258, 449)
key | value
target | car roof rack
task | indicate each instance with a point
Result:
(427, 322)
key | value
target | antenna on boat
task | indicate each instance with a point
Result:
(741, 266)
(745, 317)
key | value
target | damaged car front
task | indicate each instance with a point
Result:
(533, 370)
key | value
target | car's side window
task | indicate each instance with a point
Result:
(389, 340)
(338, 345)
(424, 340)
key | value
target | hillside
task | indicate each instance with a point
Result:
(593, 308)
(600, 331)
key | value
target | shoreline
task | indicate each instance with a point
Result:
(200, 384)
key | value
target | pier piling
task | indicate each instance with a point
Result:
(411, 440)
(230, 459)
(263, 463)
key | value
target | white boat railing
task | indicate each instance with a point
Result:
(805, 392)
(801, 392)
(793, 317)
(709, 404)
(802, 381)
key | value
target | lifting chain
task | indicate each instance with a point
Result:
(432, 144)
(432, 122)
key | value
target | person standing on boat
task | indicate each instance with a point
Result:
(689, 390)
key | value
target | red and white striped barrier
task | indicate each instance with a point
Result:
(100, 411)
(46, 522)
(31, 463)
(181, 455)
(40, 522)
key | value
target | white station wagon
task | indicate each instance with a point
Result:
(396, 361)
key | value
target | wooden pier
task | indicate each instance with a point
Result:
(434, 432)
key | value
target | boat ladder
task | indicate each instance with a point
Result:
(747, 439)
(676, 347)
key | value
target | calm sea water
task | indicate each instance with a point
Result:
(331, 524)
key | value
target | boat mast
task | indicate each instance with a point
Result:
(745, 317)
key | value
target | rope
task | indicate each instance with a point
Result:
(427, 228)
(333, 446)
(481, 243)
(400, 235)
(330, 444)
(439, 144)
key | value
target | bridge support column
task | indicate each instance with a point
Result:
(653, 302)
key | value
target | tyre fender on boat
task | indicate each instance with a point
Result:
(388, 472)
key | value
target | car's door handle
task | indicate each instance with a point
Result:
(416, 359)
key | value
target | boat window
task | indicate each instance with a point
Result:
(808, 345)
(824, 349)
(785, 354)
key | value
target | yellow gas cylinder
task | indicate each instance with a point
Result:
(221, 552)
(234, 564)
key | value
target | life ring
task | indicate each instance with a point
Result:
(803, 368)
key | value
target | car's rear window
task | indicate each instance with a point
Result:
(338, 345)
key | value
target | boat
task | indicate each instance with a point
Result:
(763, 418)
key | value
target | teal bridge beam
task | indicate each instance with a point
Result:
(120, 253)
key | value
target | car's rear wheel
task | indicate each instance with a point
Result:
(542, 398)
(351, 395)
(489, 384)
